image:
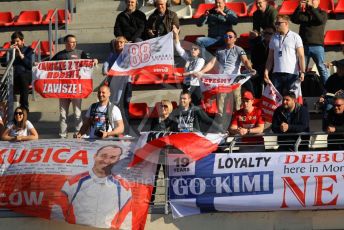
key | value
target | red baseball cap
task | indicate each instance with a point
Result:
(247, 95)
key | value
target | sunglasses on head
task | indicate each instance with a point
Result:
(18, 113)
(226, 36)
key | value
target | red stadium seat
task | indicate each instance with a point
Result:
(339, 7)
(60, 15)
(147, 79)
(202, 8)
(6, 19)
(5, 46)
(174, 104)
(44, 48)
(334, 37)
(192, 38)
(210, 107)
(243, 41)
(27, 18)
(138, 110)
(254, 7)
(288, 7)
(327, 6)
(239, 8)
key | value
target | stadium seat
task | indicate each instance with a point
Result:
(5, 46)
(202, 8)
(334, 37)
(318, 141)
(254, 7)
(27, 18)
(339, 7)
(138, 110)
(44, 48)
(327, 6)
(288, 7)
(239, 8)
(243, 41)
(174, 104)
(147, 79)
(210, 107)
(60, 15)
(6, 19)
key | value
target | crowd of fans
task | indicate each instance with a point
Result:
(279, 57)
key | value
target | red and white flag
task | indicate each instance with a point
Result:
(298, 92)
(271, 99)
(195, 145)
(64, 79)
(154, 56)
(213, 84)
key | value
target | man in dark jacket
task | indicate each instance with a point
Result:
(189, 118)
(131, 23)
(290, 118)
(334, 124)
(22, 67)
(312, 22)
(161, 21)
(264, 16)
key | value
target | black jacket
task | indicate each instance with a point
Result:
(262, 20)
(337, 121)
(23, 65)
(158, 125)
(165, 27)
(131, 26)
(312, 24)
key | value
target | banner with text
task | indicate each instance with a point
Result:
(64, 79)
(81, 182)
(256, 182)
(153, 56)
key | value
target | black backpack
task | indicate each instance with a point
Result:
(312, 85)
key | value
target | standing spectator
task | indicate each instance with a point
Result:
(259, 55)
(20, 129)
(188, 118)
(286, 56)
(312, 21)
(219, 19)
(162, 20)
(22, 67)
(163, 122)
(131, 23)
(103, 119)
(229, 60)
(194, 64)
(69, 53)
(120, 86)
(334, 124)
(264, 16)
(288, 118)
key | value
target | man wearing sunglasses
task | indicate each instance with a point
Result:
(286, 57)
(334, 124)
(312, 21)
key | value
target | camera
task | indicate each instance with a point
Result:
(98, 132)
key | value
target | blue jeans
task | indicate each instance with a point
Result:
(284, 82)
(317, 53)
(205, 42)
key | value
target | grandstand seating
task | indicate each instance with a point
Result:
(327, 6)
(334, 37)
(339, 7)
(239, 8)
(5, 46)
(243, 41)
(6, 19)
(28, 17)
(288, 7)
(202, 8)
(254, 7)
(44, 49)
(60, 14)
(138, 110)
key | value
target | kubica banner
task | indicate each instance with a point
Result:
(78, 181)
(256, 182)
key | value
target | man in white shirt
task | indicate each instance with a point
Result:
(103, 118)
(286, 56)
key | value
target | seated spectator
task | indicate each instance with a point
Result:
(263, 17)
(131, 23)
(259, 55)
(120, 86)
(194, 64)
(162, 20)
(334, 124)
(103, 119)
(163, 122)
(219, 19)
(189, 118)
(289, 118)
(20, 129)
(22, 67)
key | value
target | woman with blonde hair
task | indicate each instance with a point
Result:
(163, 122)
(19, 129)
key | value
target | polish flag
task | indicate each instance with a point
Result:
(195, 145)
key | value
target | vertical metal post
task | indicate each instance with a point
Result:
(10, 91)
(56, 30)
(297, 144)
(50, 38)
(166, 180)
(67, 11)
